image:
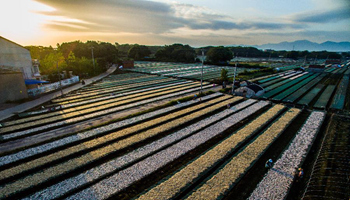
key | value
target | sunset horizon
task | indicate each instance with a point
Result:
(197, 23)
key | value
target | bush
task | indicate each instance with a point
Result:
(219, 55)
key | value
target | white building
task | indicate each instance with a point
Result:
(15, 57)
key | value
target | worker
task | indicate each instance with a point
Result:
(269, 164)
(300, 173)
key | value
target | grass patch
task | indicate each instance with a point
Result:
(225, 90)
(245, 75)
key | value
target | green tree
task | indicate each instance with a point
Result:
(39, 52)
(219, 54)
(138, 52)
(224, 75)
(292, 54)
(79, 49)
(83, 67)
(71, 61)
(248, 52)
(123, 49)
(104, 55)
(71, 57)
(176, 53)
(48, 65)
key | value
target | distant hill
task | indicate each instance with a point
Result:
(301, 45)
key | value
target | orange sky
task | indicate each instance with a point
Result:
(195, 22)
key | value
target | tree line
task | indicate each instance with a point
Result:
(76, 56)
(223, 54)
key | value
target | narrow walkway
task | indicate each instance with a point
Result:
(4, 114)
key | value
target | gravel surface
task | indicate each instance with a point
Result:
(116, 138)
(95, 132)
(225, 178)
(96, 114)
(278, 180)
(126, 177)
(91, 107)
(100, 100)
(111, 166)
(93, 155)
(172, 186)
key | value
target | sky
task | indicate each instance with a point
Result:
(164, 22)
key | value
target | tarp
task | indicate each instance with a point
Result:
(325, 97)
(301, 91)
(255, 88)
(340, 95)
(311, 95)
(33, 81)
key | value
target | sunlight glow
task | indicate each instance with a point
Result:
(20, 19)
(198, 22)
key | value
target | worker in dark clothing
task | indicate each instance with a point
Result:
(300, 173)
(223, 85)
(269, 164)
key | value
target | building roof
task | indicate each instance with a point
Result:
(12, 42)
(9, 71)
(33, 81)
(254, 87)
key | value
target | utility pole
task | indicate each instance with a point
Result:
(93, 60)
(315, 59)
(59, 78)
(234, 79)
(202, 72)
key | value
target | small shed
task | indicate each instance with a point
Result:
(250, 91)
(128, 64)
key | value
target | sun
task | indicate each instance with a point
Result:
(21, 20)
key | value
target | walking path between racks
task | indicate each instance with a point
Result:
(4, 114)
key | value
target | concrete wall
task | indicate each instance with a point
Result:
(15, 56)
(12, 87)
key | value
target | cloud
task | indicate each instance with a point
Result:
(116, 16)
(227, 25)
(139, 16)
(277, 26)
(335, 15)
(317, 36)
(215, 25)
